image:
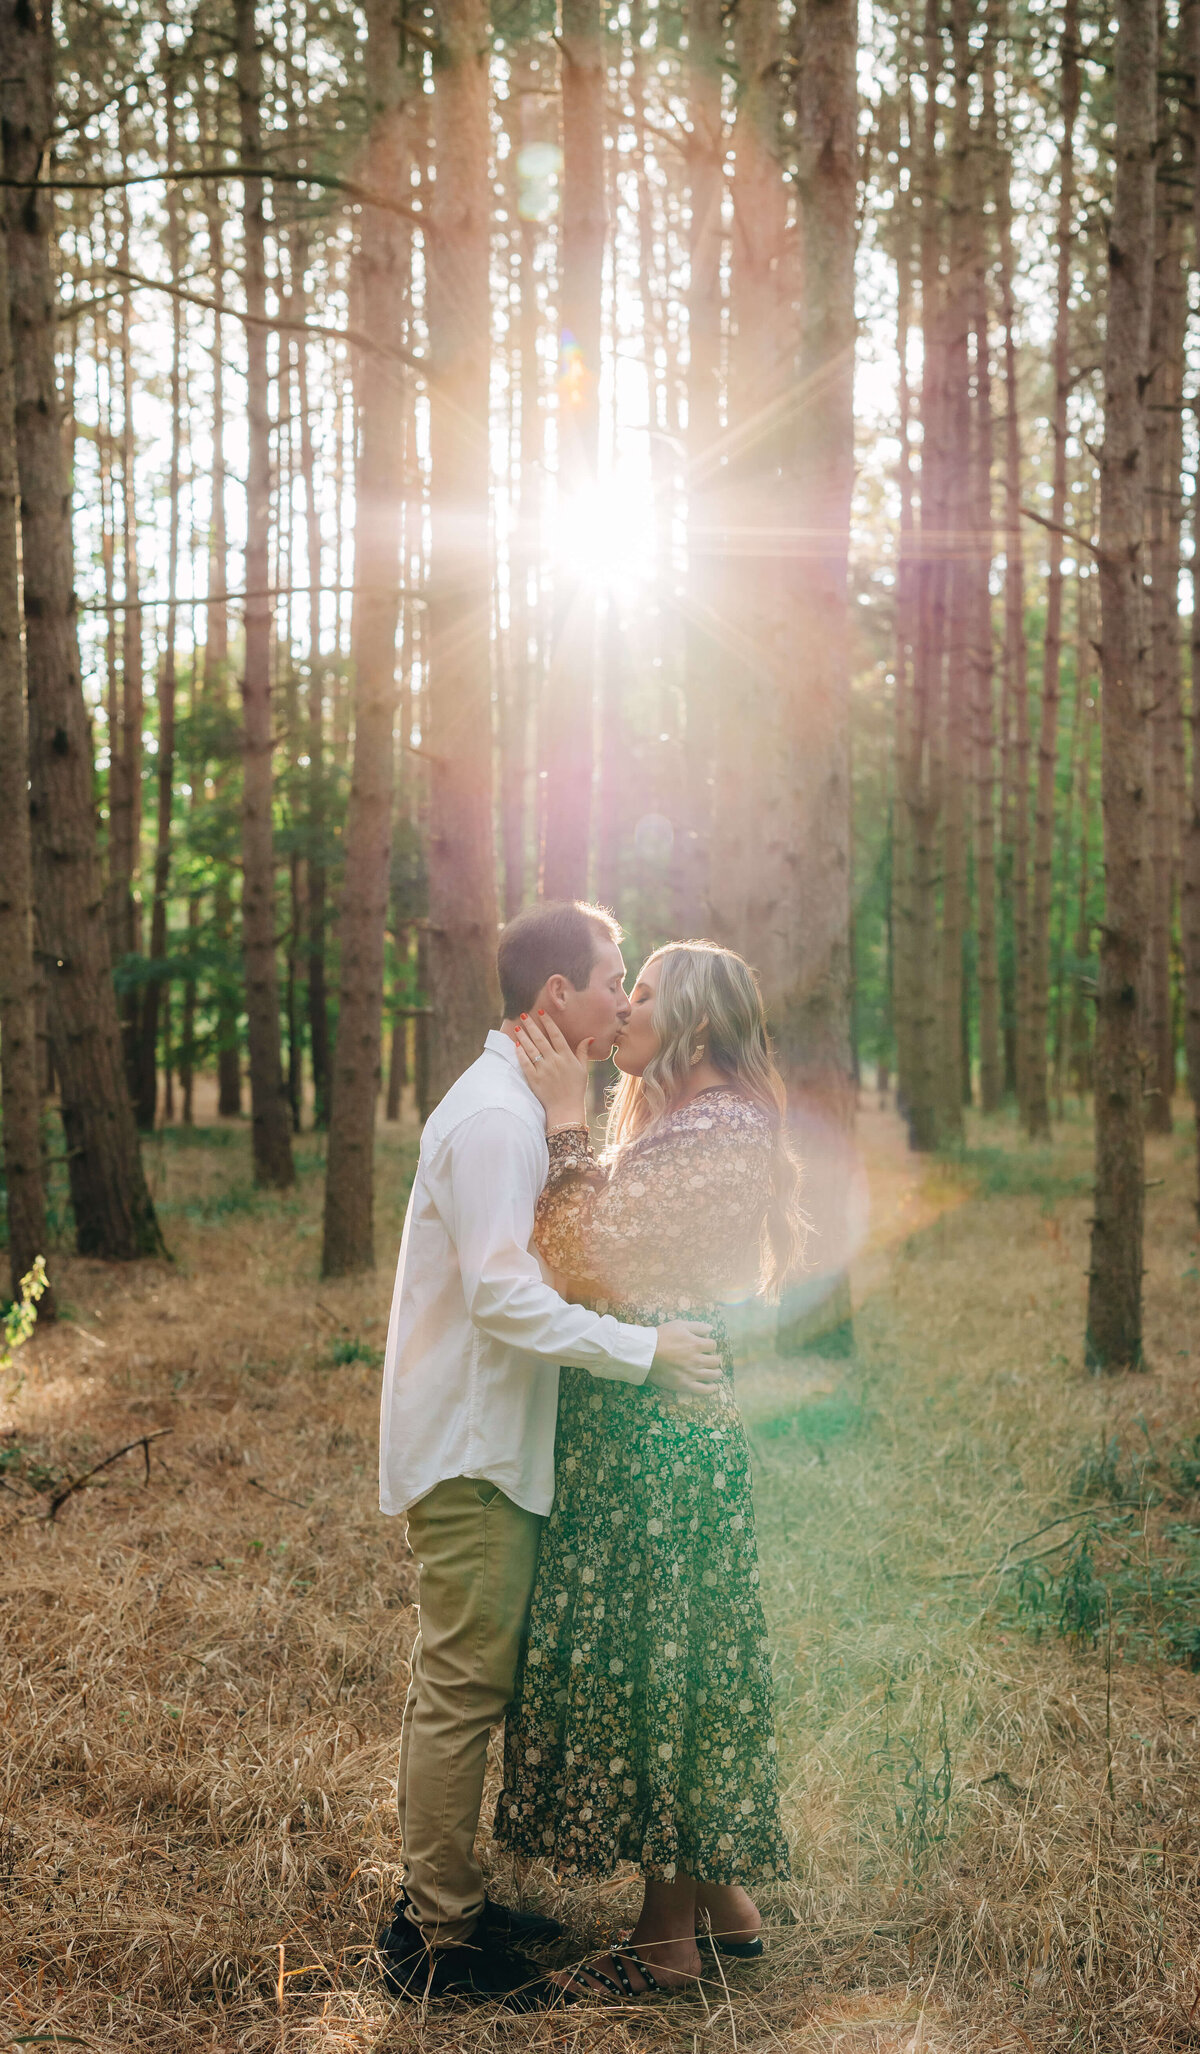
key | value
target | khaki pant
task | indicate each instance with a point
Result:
(476, 1554)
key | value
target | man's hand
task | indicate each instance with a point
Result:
(686, 1359)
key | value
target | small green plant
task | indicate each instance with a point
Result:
(352, 1349)
(17, 1324)
(1110, 1576)
(1107, 1472)
(17, 1462)
(1083, 1599)
(1184, 1468)
(922, 1771)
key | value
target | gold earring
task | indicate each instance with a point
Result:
(698, 1056)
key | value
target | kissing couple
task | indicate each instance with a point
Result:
(559, 1426)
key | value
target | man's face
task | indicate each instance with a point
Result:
(600, 1009)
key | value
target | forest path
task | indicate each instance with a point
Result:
(204, 1673)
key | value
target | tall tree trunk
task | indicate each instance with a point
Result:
(146, 1102)
(316, 898)
(754, 810)
(991, 1076)
(1114, 1311)
(812, 1003)
(20, 1081)
(516, 695)
(1189, 893)
(901, 916)
(706, 242)
(569, 699)
(216, 660)
(921, 790)
(1016, 663)
(954, 1064)
(126, 747)
(1037, 1103)
(270, 1113)
(384, 260)
(462, 888)
(187, 1038)
(614, 823)
(114, 1216)
(1164, 461)
(1079, 1033)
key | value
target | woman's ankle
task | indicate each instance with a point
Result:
(728, 1911)
(668, 1955)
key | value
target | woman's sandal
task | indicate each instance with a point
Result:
(622, 1989)
(740, 1950)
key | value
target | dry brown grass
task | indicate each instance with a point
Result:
(203, 1672)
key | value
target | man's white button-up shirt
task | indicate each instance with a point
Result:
(470, 1380)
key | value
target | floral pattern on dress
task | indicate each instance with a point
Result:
(642, 1727)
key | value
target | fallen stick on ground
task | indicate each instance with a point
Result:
(76, 1483)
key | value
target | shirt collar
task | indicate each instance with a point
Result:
(498, 1044)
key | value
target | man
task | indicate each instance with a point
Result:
(470, 1394)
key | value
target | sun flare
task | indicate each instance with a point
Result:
(604, 534)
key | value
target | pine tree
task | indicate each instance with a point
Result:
(114, 1216)
(1114, 1312)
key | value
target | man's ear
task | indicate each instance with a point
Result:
(556, 991)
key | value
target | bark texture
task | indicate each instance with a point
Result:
(270, 1112)
(1037, 1100)
(1189, 895)
(349, 1242)
(146, 1101)
(706, 245)
(569, 700)
(20, 1092)
(1114, 1310)
(462, 891)
(114, 1216)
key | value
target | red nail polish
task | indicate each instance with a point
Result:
(541, 1012)
(524, 1016)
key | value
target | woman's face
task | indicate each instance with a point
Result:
(637, 1042)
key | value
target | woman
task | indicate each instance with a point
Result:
(642, 1726)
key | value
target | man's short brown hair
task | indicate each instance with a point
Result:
(556, 939)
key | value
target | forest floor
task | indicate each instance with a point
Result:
(980, 1566)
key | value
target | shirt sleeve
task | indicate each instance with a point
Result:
(487, 1193)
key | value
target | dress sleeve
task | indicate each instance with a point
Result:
(564, 1210)
(675, 1195)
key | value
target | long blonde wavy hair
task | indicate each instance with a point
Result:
(707, 995)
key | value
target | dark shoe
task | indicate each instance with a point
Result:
(484, 1970)
(399, 1937)
(518, 1928)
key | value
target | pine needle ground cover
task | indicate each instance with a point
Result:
(982, 1572)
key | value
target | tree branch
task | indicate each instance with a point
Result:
(235, 598)
(353, 337)
(191, 174)
(1076, 540)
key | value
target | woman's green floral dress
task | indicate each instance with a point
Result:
(642, 1727)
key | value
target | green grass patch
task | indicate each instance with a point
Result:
(1114, 1577)
(1017, 1173)
(203, 1137)
(352, 1349)
(820, 1423)
(214, 1206)
(18, 1466)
